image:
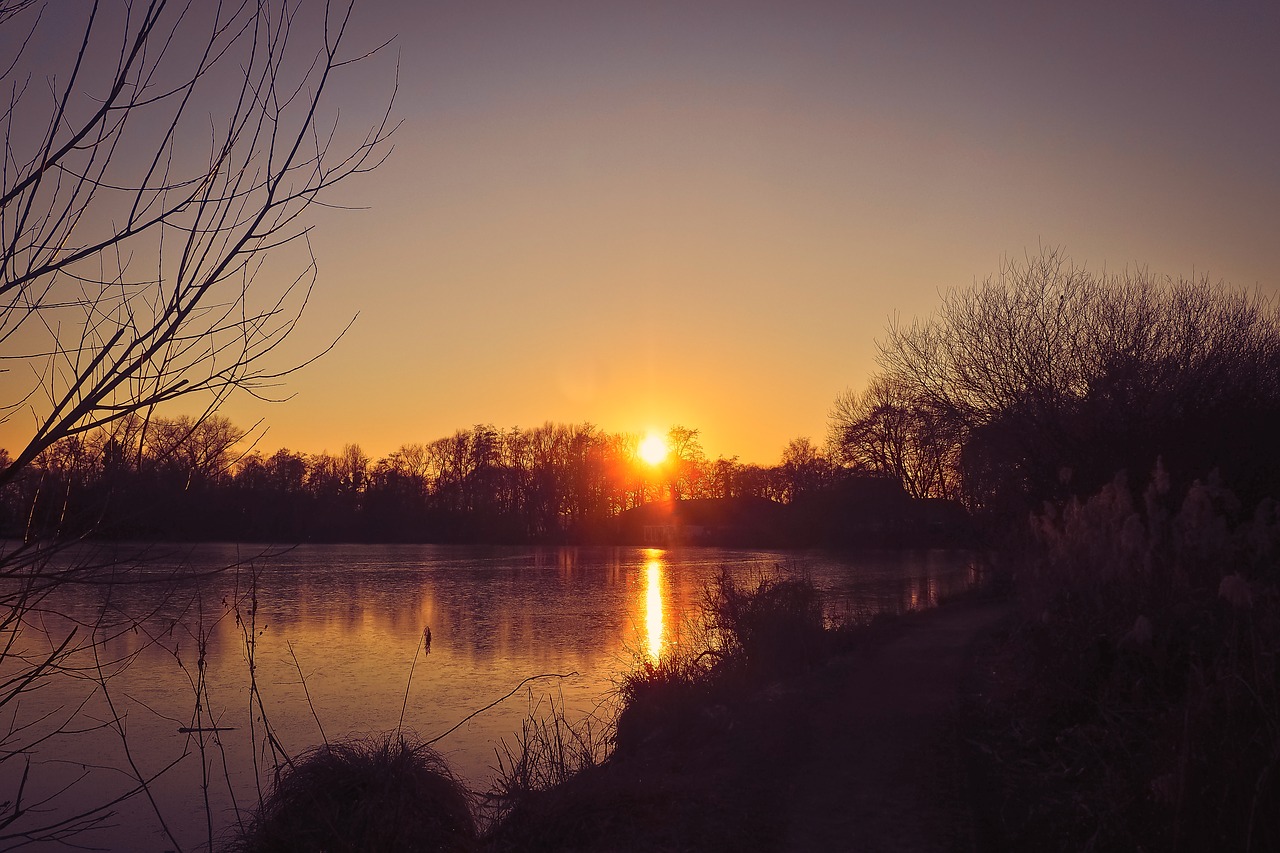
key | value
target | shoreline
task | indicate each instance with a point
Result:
(857, 753)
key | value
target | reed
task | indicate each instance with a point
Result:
(1144, 691)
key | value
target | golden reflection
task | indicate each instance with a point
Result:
(653, 608)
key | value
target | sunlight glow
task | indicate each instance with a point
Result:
(653, 449)
(653, 609)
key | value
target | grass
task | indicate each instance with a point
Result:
(1137, 703)
(770, 629)
(362, 796)
(547, 753)
(709, 740)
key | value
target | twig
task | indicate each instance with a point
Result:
(307, 693)
(143, 782)
(192, 730)
(498, 701)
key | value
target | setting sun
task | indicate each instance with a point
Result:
(653, 449)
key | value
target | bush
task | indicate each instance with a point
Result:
(772, 629)
(1042, 381)
(361, 796)
(664, 697)
(750, 634)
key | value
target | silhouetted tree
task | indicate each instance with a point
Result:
(155, 154)
(721, 478)
(884, 430)
(1044, 381)
(685, 462)
(555, 482)
(804, 469)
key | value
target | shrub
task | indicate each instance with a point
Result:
(749, 634)
(361, 796)
(663, 696)
(771, 629)
(547, 795)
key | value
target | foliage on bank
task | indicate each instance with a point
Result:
(1138, 701)
(695, 752)
(567, 785)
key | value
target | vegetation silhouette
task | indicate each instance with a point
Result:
(351, 796)
(1136, 701)
(1040, 383)
(174, 479)
(159, 158)
(685, 771)
(1133, 702)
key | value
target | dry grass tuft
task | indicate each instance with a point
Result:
(548, 752)
(361, 796)
(773, 628)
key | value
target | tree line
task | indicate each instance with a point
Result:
(190, 478)
(1033, 386)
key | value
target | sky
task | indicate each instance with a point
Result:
(705, 213)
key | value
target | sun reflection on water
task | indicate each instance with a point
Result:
(653, 607)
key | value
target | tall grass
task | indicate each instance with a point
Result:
(560, 787)
(548, 751)
(1150, 711)
(392, 793)
(771, 628)
(537, 801)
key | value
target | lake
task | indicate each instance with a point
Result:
(333, 638)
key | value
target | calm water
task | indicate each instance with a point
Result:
(337, 646)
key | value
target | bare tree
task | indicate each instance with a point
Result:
(887, 431)
(143, 187)
(155, 155)
(804, 468)
(686, 461)
(1045, 380)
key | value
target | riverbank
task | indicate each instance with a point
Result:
(1125, 699)
(858, 753)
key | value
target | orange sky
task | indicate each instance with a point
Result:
(704, 212)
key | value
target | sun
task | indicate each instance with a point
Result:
(653, 449)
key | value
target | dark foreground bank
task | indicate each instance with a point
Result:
(1125, 699)
(773, 733)
(858, 752)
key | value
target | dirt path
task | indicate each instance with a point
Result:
(881, 775)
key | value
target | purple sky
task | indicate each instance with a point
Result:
(704, 213)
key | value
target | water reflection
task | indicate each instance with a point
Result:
(653, 606)
(354, 616)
